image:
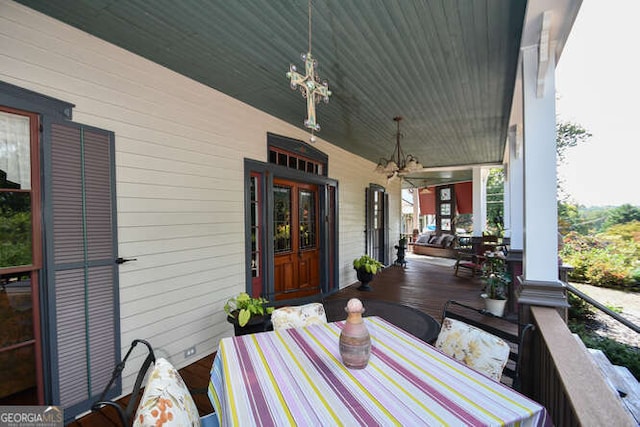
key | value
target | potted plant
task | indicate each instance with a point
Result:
(247, 314)
(366, 267)
(497, 280)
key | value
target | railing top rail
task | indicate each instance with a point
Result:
(603, 308)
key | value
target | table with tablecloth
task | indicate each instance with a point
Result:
(296, 377)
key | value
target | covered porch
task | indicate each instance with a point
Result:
(199, 133)
(559, 373)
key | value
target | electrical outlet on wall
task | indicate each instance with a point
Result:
(191, 351)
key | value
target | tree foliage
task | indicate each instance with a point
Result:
(495, 201)
(569, 135)
(622, 215)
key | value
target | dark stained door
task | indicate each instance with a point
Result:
(295, 239)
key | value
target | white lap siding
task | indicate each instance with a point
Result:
(180, 148)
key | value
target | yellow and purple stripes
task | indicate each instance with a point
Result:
(296, 377)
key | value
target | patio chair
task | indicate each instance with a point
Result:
(163, 384)
(468, 260)
(509, 330)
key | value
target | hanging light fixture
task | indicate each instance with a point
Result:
(309, 84)
(398, 164)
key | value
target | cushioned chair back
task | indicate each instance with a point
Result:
(474, 347)
(298, 316)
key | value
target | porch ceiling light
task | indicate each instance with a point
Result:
(398, 164)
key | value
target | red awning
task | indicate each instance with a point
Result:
(464, 197)
(427, 201)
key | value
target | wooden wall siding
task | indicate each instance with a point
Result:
(179, 169)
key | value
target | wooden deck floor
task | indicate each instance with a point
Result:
(426, 284)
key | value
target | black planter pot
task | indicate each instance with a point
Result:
(364, 277)
(256, 324)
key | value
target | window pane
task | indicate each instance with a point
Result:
(15, 309)
(282, 159)
(15, 149)
(282, 219)
(15, 229)
(307, 220)
(293, 162)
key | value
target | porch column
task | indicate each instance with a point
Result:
(540, 284)
(514, 190)
(416, 210)
(513, 210)
(480, 176)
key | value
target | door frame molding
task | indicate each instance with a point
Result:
(326, 238)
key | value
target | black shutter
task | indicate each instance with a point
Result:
(80, 229)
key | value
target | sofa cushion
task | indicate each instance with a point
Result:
(423, 239)
(448, 240)
(438, 241)
(166, 400)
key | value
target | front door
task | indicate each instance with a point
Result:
(295, 239)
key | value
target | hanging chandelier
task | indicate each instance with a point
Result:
(398, 164)
(310, 85)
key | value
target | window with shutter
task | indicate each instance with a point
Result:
(80, 202)
(60, 189)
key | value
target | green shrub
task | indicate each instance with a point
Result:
(607, 259)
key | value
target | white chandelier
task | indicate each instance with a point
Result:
(398, 164)
(310, 85)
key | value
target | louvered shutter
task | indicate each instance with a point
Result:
(81, 259)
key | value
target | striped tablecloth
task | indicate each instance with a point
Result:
(296, 377)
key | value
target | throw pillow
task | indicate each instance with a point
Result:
(166, 400)
(439, 239)
(424, 238)
(299, 316)
(448, 239)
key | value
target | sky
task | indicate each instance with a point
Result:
(598, 87)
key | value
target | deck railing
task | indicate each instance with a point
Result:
(565, 380)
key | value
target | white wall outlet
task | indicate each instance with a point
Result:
(191, 351)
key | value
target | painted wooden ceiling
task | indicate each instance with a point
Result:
(447, 66)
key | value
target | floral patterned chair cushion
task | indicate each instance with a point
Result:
(298, 316)
(166, 400)
(474, 347)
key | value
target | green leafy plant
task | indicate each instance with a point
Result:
(495, 275)
(368, 264)
(244, 307)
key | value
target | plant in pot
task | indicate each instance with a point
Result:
(247, 314)
(497, 279)
(366, 267)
